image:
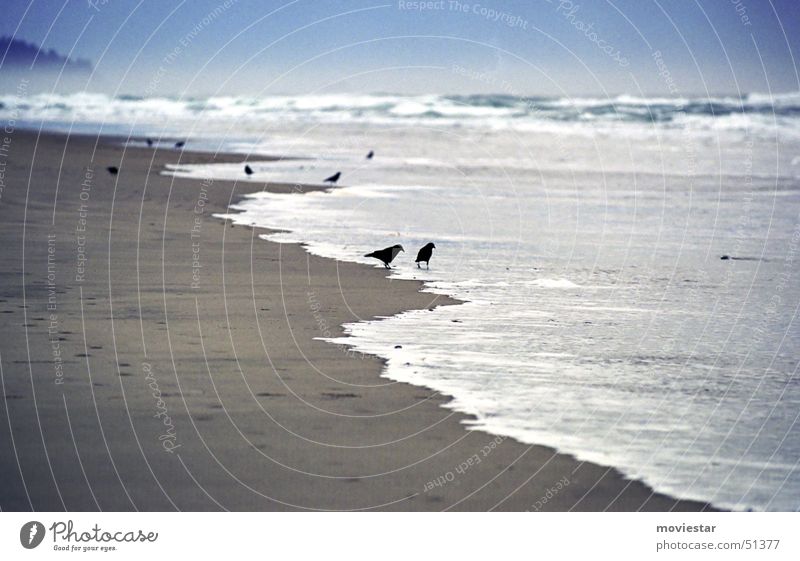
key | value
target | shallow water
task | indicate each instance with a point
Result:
(601, 318)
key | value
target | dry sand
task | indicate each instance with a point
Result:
(125, 387)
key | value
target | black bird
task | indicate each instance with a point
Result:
(113, 170)
(371, 153)
(424, 254)
(248, 170)
(180, 144)
(149, 141)
(334, 178)
(386, 255)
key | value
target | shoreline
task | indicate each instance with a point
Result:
(260, 419)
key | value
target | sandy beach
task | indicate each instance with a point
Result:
(156, 358)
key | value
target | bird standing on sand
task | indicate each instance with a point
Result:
(149, 141)
(387, 254)
(424, 254)
(180, 144)
(113, 170)
(248, 170)
(334, 178)
(371, 153)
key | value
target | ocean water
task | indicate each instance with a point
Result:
(249, 117)
(586, 238)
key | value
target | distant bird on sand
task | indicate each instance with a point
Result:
(334, 178)
(248, 170)
(149, 141)
(386, 255)
(371, 153)
(113, 170)
(424, 254)
(180, 144)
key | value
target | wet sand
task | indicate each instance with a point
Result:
(156, 358)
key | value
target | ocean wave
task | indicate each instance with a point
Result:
(753, 113)
(554, 283)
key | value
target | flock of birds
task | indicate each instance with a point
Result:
(385, 255)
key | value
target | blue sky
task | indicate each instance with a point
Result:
(533, 47)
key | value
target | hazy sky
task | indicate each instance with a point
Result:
(533, 47)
